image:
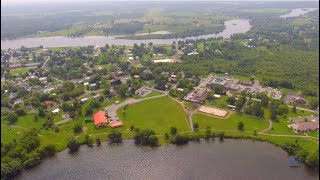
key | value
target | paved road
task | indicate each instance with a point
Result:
(304, 109)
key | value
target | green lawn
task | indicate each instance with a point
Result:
(313, 134)
(190, 105)
(8, 135)
(158, 114)
(19, 71)
(220, 103)
(250, 123)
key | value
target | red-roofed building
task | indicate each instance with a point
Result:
(100, 119)
(48, 102)
(116, 124)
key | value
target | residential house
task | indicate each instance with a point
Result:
(304, 127)
(99, 119)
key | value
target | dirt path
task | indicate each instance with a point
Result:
(16, 127)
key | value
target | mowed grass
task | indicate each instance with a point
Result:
(158, 114)
(19, 71)
(9, 135)
(250, 123)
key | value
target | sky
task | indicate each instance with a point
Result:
(9, 2)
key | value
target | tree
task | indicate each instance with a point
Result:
(302, 154)
(166, 136)
(115, 136)
(221, 136)
(240, 103)
(313, 159)
(207, 133)
(294, 109)
(47, 150)
(231, 100)
(41, 112)
(264, 100)
(123, 90)
(30, 140)
(196, 126)
(77, 128)
(12, 118)
(173, 131)
(73, 145)
(240, 126)
(20, 111)
(98, 142)
(153, 140)
(181, 139)
(88, 140)
(314, 103)
(144, 137)
(32, 161)
(36, 118)
(10, 169)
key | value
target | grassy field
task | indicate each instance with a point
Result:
(190, 105)
(158, 114)
(19, 71)
(220, 103)
(313, 134)
(250, 123)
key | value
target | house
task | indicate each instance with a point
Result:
(136, 76)
(115, 82)
(116, 124)
(86, 84)
(56, 111)
(84, 100)
(48, 90)
(180, 89)
(93, 85)
(304, 118)
(43, 79)
(304, 127)
(99, 119)
(97, 96)
(300, 100)
(217, 96)
(48, 102)
(17, 101)
(247, 83)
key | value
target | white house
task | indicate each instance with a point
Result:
(84, 100)
(86, 84)
(56, 111)
(217, 96)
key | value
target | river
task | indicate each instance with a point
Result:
(232, 27)
(298, 12)
(228, 160)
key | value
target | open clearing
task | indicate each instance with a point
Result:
(158, 114)
(231, 123)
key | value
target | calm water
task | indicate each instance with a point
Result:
(228, 160)
(298, 12)
(232, 27)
